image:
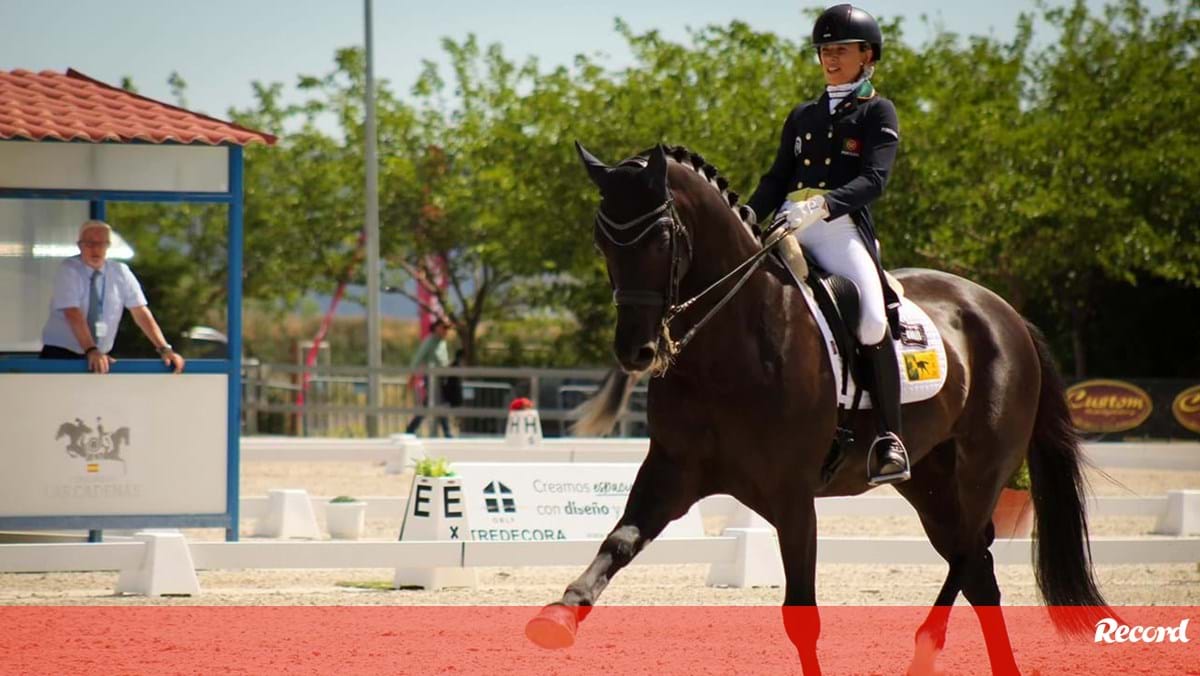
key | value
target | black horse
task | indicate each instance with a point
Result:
(749, 409)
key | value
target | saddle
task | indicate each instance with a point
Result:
(838, 299)
(834, 303)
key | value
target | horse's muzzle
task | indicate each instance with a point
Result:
(636, 358)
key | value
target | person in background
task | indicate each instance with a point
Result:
(90, 292)
(433, 352)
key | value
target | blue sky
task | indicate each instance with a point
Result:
(220, 46)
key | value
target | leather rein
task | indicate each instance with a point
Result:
(665, 215)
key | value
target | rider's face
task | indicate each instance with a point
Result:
(842, 64)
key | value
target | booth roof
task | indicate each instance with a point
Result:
(73, 107)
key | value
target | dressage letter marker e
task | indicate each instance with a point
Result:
(435, 512)
(421, 497)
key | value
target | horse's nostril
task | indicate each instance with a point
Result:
(645, 354)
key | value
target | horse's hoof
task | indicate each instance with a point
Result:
(553, 628)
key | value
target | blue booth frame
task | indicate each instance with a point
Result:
(230, 366)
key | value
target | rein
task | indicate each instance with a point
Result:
(667, 216)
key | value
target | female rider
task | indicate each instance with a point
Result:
(833, 162)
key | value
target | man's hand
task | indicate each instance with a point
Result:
(174, 360)
(98, 362)
(803, 214)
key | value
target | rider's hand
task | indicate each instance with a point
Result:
(803, 214)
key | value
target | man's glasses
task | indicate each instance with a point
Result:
(94, 244)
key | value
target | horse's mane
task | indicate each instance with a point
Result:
(710, 173)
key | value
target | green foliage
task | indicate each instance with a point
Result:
(1046, 169)
(433, 467)
(343, 498)
(1020, 479)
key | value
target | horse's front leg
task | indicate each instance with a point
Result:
(663, 491)
(797, 529)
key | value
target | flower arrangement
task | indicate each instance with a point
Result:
(433, 467)
(521, 404)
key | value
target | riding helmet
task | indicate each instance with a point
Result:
(847, 23)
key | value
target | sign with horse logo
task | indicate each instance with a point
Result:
(97, 448)
(124, 444)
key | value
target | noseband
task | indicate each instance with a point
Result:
(666, 216)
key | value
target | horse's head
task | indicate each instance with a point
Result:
(646, 248)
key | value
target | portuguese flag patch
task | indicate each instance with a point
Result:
(852, 146)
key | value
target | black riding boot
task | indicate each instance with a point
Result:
(887, 461)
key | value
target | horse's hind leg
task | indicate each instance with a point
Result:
(958, 523)
(663, 491)
(980, 588)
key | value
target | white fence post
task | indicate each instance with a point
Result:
(757, 563)
(406, 448)
(289, 515)
(1182, 515)
(166, 567)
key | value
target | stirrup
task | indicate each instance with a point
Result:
(894, 477)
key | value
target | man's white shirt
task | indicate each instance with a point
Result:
(72, 289)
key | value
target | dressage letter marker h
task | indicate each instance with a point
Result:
(435, 512)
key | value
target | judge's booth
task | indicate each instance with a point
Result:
(140, 447)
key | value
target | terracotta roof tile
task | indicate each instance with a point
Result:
(73, 107)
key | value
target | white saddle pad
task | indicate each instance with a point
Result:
(920, 355)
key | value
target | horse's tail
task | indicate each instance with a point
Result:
(1062, 555)
(598, 414)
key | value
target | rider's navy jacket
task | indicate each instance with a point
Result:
(849, 153)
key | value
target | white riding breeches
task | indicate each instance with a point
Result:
(839, 248)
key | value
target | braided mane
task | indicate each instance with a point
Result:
(713, 177)
(710, 173)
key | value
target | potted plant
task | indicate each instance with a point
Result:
(1013, 515)
(433, 467)
(345, 517)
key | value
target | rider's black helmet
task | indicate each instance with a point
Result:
(847, 23)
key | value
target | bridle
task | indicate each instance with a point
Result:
(665, 215)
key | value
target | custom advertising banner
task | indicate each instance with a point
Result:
(1186, 408)
(117, 444)
(1108, 405)
(553, 501)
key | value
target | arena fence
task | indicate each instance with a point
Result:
(400, 450)
(157, 562)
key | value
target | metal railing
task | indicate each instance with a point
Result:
(334, 402)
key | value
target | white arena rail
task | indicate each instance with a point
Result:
(401, 450)
(389, 507)
(668, 551)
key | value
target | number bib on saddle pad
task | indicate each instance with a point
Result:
(920, 353)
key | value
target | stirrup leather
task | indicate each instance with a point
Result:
(895, 477)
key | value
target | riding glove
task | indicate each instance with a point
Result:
(800, 215)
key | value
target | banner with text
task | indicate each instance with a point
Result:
(553, 501)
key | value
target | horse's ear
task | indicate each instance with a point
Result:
(656, 170)
(597, 170)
